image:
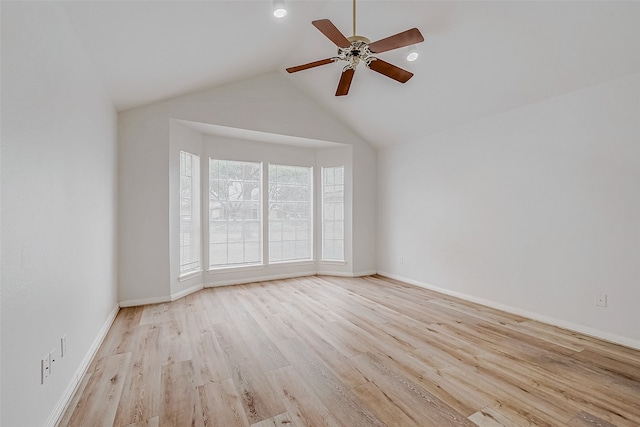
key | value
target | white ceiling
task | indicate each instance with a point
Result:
(479, 58)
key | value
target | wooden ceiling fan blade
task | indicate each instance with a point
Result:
(330, 31)
(345, 82)
(390, 70)
(310, 65)
(396, 41)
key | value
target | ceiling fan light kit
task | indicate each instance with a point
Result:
(356, 49)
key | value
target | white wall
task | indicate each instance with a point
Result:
(58, 208)
(268, 104)
(364, 218)
(537, 209)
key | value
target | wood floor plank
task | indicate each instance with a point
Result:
(75, 400)
(301, 402)
(342, 301)
(337, 351)
(337, 334)
(274, 326)
(260, 307)
(123, 336)
(584, 419)
(339, 364)
(194, 303)
(213, 305)
(141, 392)
(620, 371)
(209, 362)
(259, 398)
(222, 405)
(180, 399)
(416, 402)
(332, 392)
(381, 333)
(259, 342)
(385, 407)
(101, 396)
(464, 400)
(234, 309)
(151, 422)
(154, 313)
(490, 417)
(547, 381)
(262, 298)
(277, 421)
(174, 341)
(199, 322)
(533, 329)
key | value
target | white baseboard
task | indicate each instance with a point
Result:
(241, 281)
(365, 273)
(144, 301)
(586, 330)
(159, 300)
(186, 292)
(64, 400)
(345, 274)
(334, 273)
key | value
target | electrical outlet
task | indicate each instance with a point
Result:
(63, 346)
(401, 260)
(45, 368)
(601, 300)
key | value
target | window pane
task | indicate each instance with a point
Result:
(189, 213)
(333, 213)
(252, 252)
(290, 207)
(235, 213)
(218, 253)
(275, 251)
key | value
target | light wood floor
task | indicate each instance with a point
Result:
(326, 351)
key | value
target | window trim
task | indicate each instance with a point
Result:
(190, 275)
(312, 213)
(261, 210)
(330, 261)
(195, 211)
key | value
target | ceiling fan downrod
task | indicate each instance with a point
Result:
(354, 18)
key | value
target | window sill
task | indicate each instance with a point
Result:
(332, 262)
(230, 268)
(189, 275)
(293, 262)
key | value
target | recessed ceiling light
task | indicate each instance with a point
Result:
(279, 9)
(412, 54)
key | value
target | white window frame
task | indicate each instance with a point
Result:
(260, 219)
(310, 231)
(194, 266)
(324, 221)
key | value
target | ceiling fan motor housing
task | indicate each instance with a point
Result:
(358, 51)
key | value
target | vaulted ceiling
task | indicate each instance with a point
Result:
(479, 58)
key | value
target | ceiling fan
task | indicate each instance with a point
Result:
(356, 49)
